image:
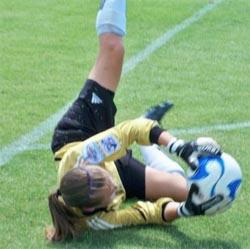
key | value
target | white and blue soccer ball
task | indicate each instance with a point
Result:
(216, 175)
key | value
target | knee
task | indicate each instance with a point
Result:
(112, 44)
(183, 192)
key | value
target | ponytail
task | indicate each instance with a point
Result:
(64, 220)
(79, 188)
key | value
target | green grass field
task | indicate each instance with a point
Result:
(47, 49)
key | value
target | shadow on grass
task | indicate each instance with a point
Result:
(141, 237)
(184, 241)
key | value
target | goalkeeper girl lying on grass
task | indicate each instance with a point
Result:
(96, 172)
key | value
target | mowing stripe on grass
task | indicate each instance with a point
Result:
(177, 132)
(23, 143)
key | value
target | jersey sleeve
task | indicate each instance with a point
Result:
(139, 214)
(109, 145)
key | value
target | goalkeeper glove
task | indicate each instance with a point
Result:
(190, 208)
(191, 151)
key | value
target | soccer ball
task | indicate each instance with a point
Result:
(216, 176)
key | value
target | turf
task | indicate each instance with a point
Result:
(47, 49)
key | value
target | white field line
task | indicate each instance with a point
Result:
(217, 127)
(162, 40)
(178, 132)
(24, 142)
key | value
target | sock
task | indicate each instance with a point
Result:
(111, 18)
(182, 211)
(157, 159)
(174, 145)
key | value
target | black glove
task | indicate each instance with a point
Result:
(191, 151)
(190, 208)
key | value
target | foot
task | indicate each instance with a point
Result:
(157, 112)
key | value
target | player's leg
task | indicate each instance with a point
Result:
(162, 184)
(94, 110)
(163, 176)
(111, 27)
(167, 180)
(155, 158)
(152, 155)
(147, 183)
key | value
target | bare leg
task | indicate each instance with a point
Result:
(162, 184)
(110, 27)
(108, 66)
(164, 177)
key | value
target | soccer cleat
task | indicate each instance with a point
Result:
(157, 112)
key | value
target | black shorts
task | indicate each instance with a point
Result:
(92, 112)
(132, 174)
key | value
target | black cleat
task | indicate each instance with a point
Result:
(157, 112)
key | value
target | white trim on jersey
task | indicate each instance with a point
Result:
(99, 224)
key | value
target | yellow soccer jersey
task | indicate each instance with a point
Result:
(103, 149)
(106, 146)
(139, 214)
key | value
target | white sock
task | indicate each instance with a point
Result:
(157, 159)
(182, 211)
(111, 18)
